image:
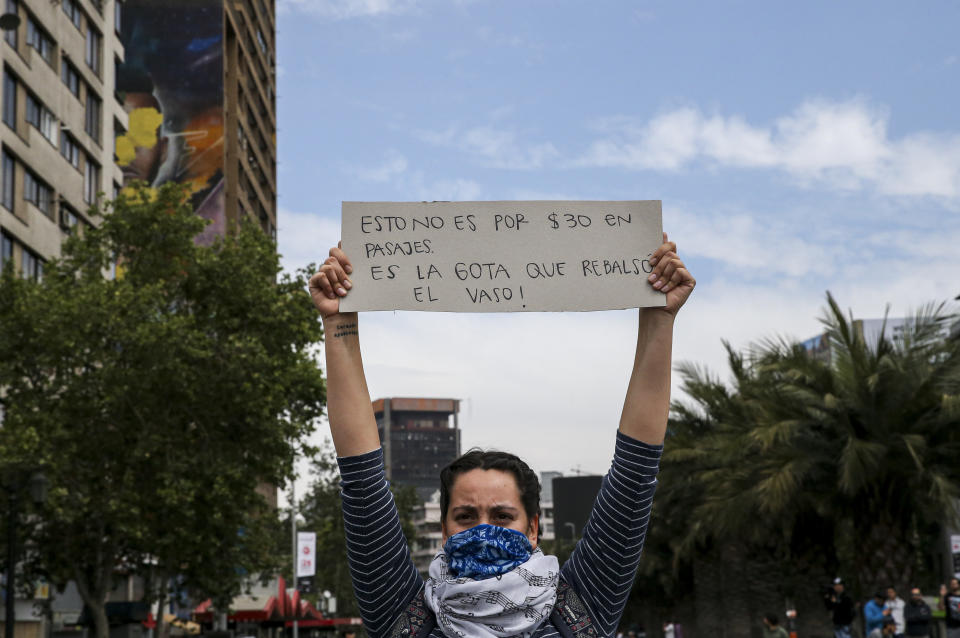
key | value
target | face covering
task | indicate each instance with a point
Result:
(486, 550)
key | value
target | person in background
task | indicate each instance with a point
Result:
(840, 605)
(950, 604)
(893, 607)
(873, 613)
(917, 615)
(772, 628)
(887, 629)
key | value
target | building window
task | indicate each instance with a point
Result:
(9, 168)
(261, 41)
(73, 11)
(70, 76)
(91, 182)
(32, 267)
(39, 40)
(118, 17)
(42, 119)
(93, 49)
(37, 193)
(70, 149)
(69, 221)
(11, 35)
(9, 100)
(6, 250)
(92, 120)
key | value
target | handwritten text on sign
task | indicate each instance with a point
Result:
(501, 256)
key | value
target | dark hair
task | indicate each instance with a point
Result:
(474, 459)
(772, 618)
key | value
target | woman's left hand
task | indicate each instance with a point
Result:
(670, 276)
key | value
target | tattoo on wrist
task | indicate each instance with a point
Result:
(346, 329)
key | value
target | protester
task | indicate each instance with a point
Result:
(873, 613)
(840, 605)
(893, 607)
(950, 604)
(491, 580)
(772, 628)
(917, 615)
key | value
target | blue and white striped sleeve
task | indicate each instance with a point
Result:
(604, 563)
(384, 577)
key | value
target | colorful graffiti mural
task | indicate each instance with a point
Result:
(172, 85)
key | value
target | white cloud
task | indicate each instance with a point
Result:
(497, 148)
(346, 9)
(841, 144)
(393, 165)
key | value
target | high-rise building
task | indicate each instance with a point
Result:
(97, 93)
(199, 85)
(59, 114)
(419, 437)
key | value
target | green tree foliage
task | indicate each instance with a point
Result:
(158, 400)
(844, 463)
(321, 512)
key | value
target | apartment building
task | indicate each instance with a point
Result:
(59, 109)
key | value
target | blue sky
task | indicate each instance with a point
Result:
(797, 148)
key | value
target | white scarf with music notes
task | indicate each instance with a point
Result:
(513, 604)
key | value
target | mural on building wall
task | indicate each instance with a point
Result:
(171, 82)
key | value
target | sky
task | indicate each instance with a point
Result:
(797, 148)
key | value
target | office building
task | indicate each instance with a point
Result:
(419, 437)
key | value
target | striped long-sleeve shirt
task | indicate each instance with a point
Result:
(601, 568)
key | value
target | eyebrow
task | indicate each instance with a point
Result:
(495, 508)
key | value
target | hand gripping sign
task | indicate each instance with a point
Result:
(501, 256)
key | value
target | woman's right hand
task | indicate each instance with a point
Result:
(331, 283)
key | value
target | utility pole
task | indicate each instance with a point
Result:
(293, 526)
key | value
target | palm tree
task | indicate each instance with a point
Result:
(845, 463)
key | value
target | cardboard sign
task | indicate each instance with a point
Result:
(501, 256)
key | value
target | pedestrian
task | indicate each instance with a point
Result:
(949, 603)
(840, 605)
(887, 629)
(893, 607)
(491, 579)
(873, 613)
(917, 615)
(772, 628)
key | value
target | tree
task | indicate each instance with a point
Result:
(322, 513)
(158, 400)
(845, 464)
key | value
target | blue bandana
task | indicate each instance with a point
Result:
(486, 550)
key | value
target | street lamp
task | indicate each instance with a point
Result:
(573, 530)
(37, 484)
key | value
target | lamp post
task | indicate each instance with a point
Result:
(38, 494)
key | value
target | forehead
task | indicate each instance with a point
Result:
(484, 487)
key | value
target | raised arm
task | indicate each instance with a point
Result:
(647, 404)
(604, 563)
(349, 409)
(384, 578)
